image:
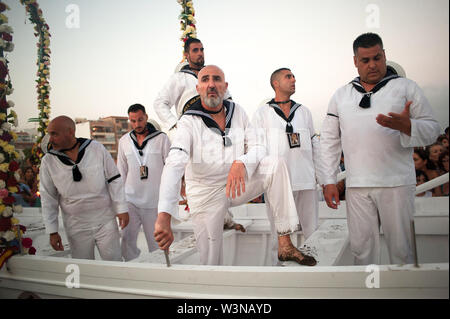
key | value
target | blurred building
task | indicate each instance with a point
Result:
(25, 139)
(107, 131)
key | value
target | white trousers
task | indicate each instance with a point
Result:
(210, 205)
(390, 207)
(106, 237)
(307, 205)
(138, 217)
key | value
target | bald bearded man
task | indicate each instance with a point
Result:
(224, 166)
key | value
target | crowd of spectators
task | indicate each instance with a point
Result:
(431, 162)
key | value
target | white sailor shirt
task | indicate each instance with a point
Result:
(142, 193)
(375, 156)
(207, 155)
(92, 201)
(303, 161)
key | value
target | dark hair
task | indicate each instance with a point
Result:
(441, 157)
(275, 74)
(367, 40)
(423, 154)
(420, 173)
(441, 137)
(188, 42)
(136, 107)
(446, 130)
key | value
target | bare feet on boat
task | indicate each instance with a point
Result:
(234, 226)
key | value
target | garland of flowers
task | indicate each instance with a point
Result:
(41, 29)
(11, 233)
(187, 21)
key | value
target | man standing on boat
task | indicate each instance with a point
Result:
(80, 177)
(140, 160)
(287, 130)
(377, 119)
(225, 166)
(181, 84)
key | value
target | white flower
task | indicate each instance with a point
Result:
(6, 126)
(2, 159)
(6, 28)
(11, 103)
(17, 175)
(18, 209)
(7, 212)
(9, 235)
(2, 184)
(9, 47)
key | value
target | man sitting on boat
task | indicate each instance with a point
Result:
(225, 166)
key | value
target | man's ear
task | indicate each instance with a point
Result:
(355, 60)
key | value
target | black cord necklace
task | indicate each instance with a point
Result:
(214, 112)
(69, 149)
(281, 102)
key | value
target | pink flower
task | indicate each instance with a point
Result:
(3, 193)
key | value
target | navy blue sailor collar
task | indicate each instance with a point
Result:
(83, 142)
(279, 111)
(187, 69)
(151, 133)
(196, 109)
(365, 101)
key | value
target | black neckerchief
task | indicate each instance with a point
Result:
(279, 111)
(68, 161)
(187, 69)
(365, 101)
(151, 133)
(196, 109)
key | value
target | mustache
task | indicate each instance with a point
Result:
(212, 90)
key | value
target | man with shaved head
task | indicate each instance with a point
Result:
(224, 166)
(287, 130)
(79, 176)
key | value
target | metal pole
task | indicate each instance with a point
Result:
(413, 237)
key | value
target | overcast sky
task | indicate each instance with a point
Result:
(122, 52)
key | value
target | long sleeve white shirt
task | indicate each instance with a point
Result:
(302, 161)
(93, 201)
(199, 152)
(170, 95)
(375, 156)
(142, 193)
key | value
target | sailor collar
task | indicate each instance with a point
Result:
(365, 101)
(68, 161)
(187, 69)
(151, 133)
(279, 111)
(196, 109)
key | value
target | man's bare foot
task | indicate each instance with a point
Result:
(239, 227)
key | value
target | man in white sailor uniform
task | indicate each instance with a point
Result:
(141, 157)
(181, 84)
(80, 177)
(225, 166)
(377, 119)
(287, 130)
